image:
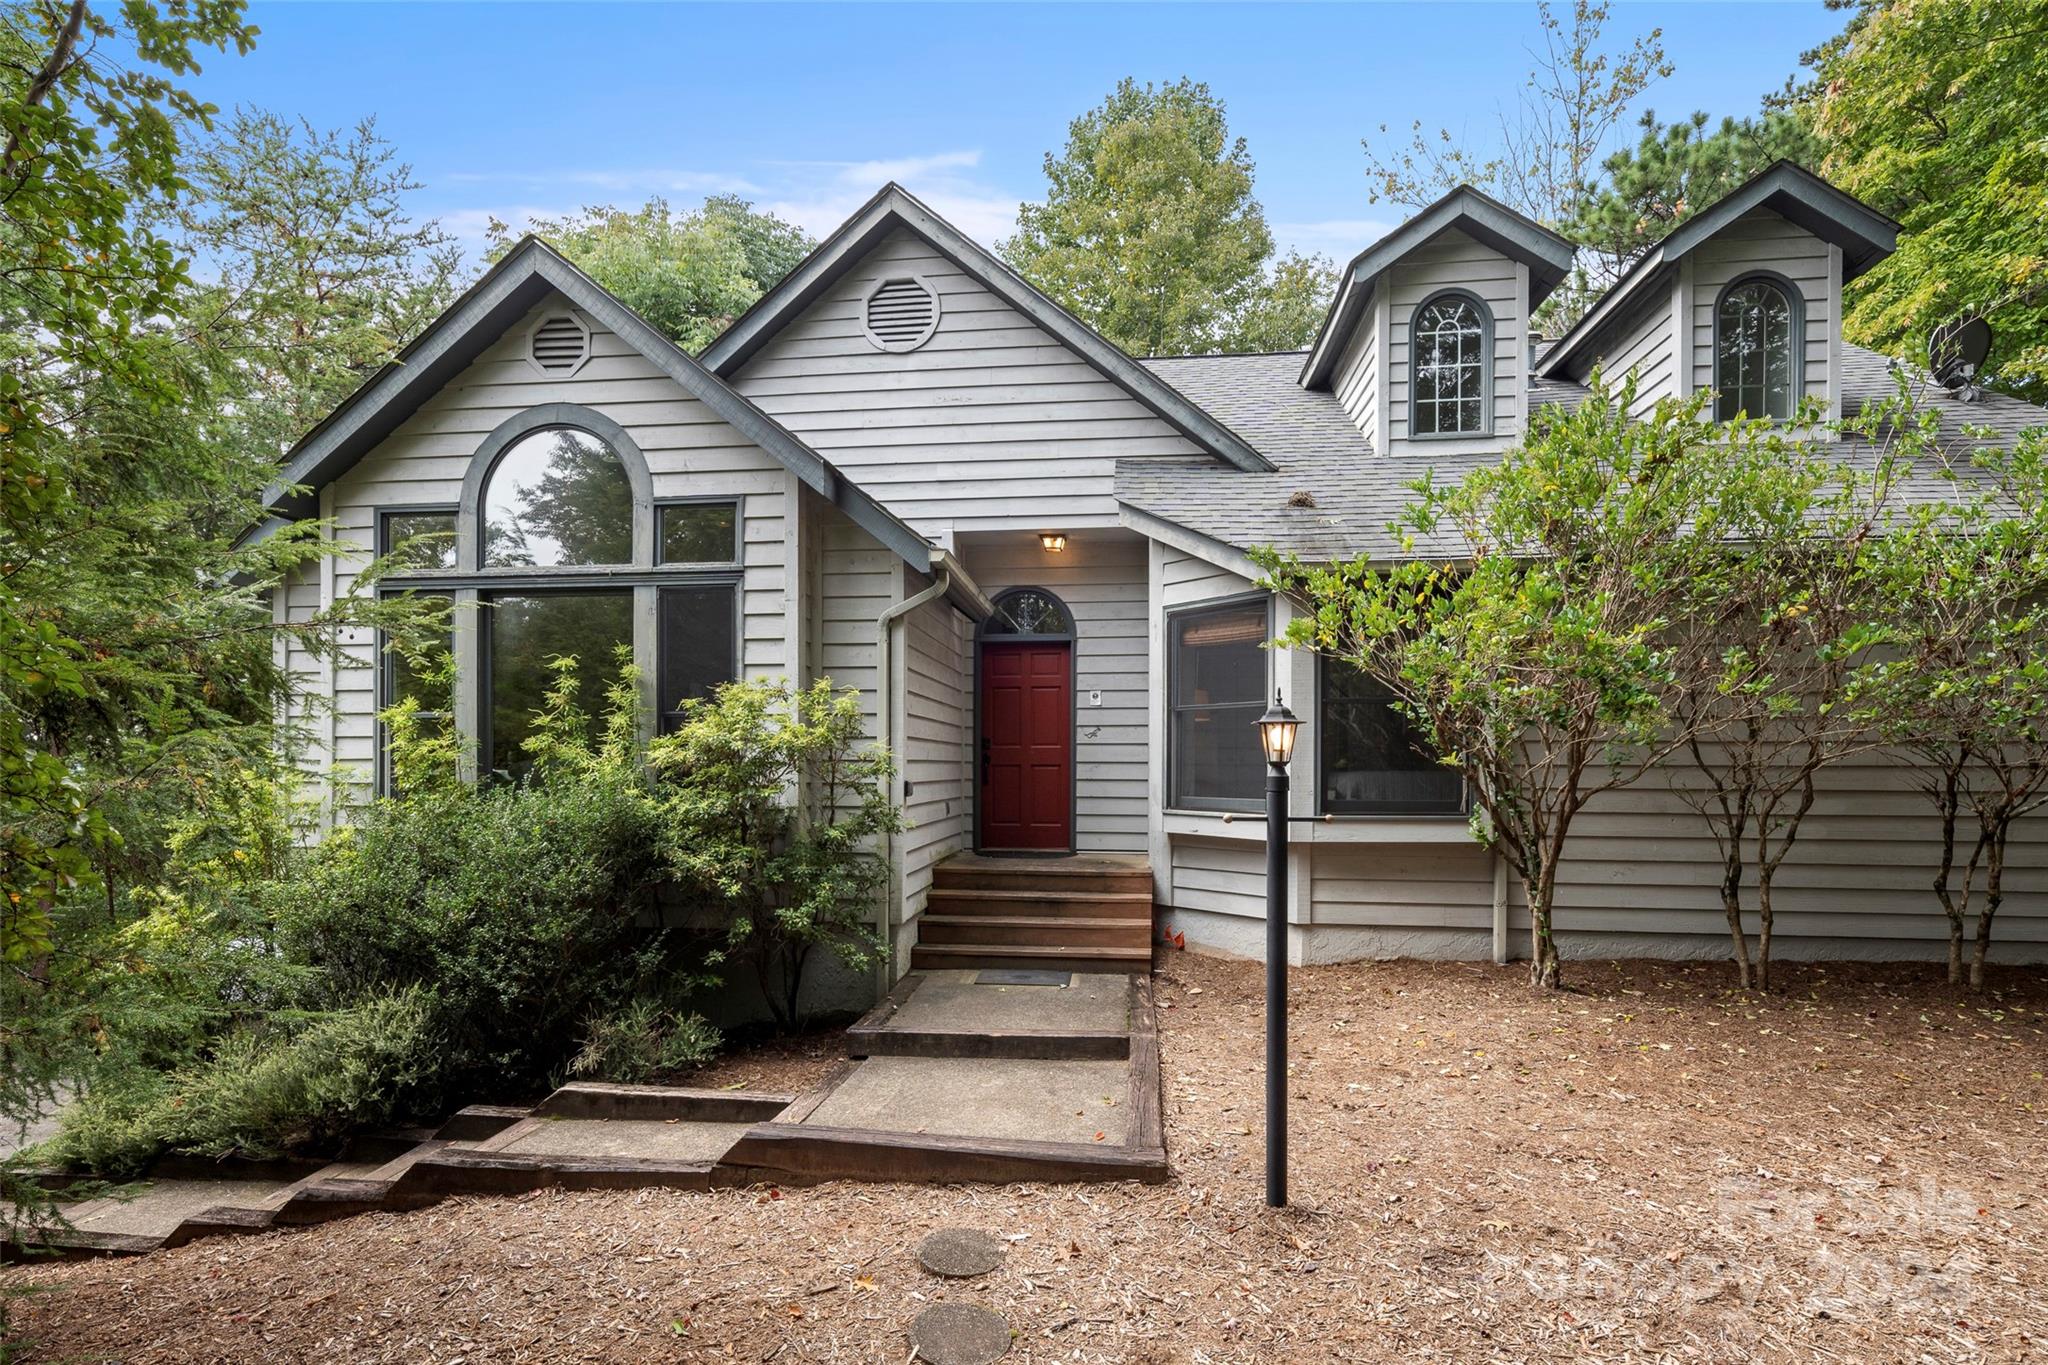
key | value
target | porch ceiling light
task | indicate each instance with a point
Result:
(1055, 542)
(1276, 733)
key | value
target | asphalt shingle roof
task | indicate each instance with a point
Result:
(1354, 493)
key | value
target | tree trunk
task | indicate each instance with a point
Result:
(1764, 877)
(1994, 892)
(1731, 903)
(1543, 963)
(1946, 803)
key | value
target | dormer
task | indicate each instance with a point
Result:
(1743, 299)
(1425, 343)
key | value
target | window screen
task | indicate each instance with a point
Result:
(1372, 760)
(1218, 688)
(698, 639)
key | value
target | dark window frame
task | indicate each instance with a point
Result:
(1321, 734)
(1175, 801)
(982, 630)
(1795, 368)
(1487, 332)
(387, 669)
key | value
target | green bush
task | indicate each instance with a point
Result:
(517, 908)
(645, 1039)
(265, 1089)
(781, 879)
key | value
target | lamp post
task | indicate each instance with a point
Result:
(1276, 735)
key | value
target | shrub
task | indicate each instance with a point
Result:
(782, 879)
(645, 1039)
(264, 1089)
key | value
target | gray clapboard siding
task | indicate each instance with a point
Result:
(991, 425)
(1645, 345)
(858, 580)
(1402, 887)
(1454, 260)
(1102, 579)
(1356, 380)
(1185, 580)
(1761, 240)
(689, 450)
(935, 752)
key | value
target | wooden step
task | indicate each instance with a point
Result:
(1076, 876)
(1041, 902)
(1064, 957)
(1034, 929)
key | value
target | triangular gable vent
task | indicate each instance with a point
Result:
(559, 345)
(901, 314)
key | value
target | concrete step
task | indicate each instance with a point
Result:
(1041, 901)
(1034, 930)
(1059, 957)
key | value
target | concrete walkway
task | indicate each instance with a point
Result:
(958, 1076)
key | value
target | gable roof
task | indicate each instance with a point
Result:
(1486, 220)
(893, 207)
(1786, 189)
(529, 273)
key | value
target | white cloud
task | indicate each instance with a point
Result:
(1338, 238)
(816, 195)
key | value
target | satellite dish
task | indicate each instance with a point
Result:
(1956, 351)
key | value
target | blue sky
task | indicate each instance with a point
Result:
(517, 109)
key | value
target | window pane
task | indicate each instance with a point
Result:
(1219, 689)
(700, 533)
(1754, 359)
(697, 652)
(558, 497)
(400, 539)
(1372, 762)
(401, 679)
(528, 630)
(1448, 345)
(1217, 656)
(1028, 611)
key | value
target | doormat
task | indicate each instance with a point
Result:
(1023, 976)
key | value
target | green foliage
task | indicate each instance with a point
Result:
(1529, 638)
(781, 879)
(1675, 170)
(515, 908)
(1962, 686)
(648, 1038)
(688, 274)
(1150, 233)
(261, 1090)
(1933, 114)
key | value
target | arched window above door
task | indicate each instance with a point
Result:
(1032, 613)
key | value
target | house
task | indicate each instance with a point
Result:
(909, 471)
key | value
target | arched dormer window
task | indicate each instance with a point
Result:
(1450, 344)
(1759, 334)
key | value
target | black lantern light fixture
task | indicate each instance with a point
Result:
(1277, 731)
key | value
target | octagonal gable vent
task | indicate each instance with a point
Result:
(901, 314)
(559, 344)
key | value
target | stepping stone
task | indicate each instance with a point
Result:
(959, 1253)
(959, 1334)
(1023, 976)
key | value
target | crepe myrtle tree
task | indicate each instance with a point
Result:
(1527, 624)
(1963, 685)
(1779, 634)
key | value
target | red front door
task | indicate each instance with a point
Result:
(1027, 746)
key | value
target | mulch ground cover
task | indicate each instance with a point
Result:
(1650, 1166)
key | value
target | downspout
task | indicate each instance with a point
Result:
(885, 725)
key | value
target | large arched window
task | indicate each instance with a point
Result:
(1450, 341)
(558, 548)
(558, 496)
(1757, 339)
